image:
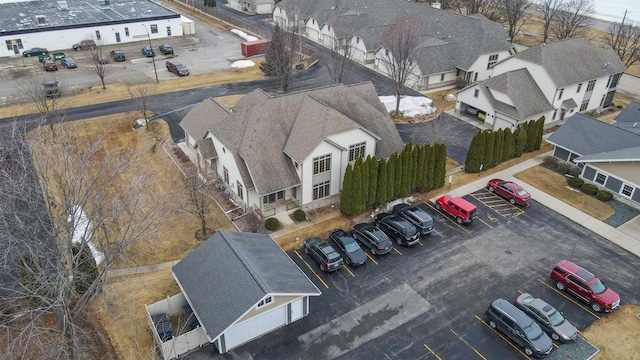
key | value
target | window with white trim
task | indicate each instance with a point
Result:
(266, 301)
(321, 190)
(321, 164)
(153, 28)
(627, 190)
(356, 151)
(493, 59)
(601, 178)
(591, 85)
(475, 93)
(441, 77)
(579, 88)
(584, 105)
(225, 174)
(561, 91)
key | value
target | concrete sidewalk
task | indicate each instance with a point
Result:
(626, 236)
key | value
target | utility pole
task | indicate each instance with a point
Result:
(153, 58)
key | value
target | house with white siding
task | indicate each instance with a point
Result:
(252, 6)
(290, 150)
(554, 80)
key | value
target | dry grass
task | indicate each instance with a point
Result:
(174, 236)
(295, 240)
(120, 311)
(617, 334)
(555, 185)
(113, 92)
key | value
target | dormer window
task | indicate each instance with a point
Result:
(266, 301)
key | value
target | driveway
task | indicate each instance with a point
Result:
(447, 129)
(430, 299)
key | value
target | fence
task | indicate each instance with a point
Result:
(213, 12)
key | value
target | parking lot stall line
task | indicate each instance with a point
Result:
(502, 337)
(484, 222)
(432, 352)
(469, 345)
(420, 242)
(568, 298)
(348, 270)
(371, 258)
(314, 273)
(397, 251)
(446, 216)
(439, 233)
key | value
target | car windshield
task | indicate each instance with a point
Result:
(522, 192)
(533, 331)
(556, 319)
(180, 66)
(350, 245)
(598, 287)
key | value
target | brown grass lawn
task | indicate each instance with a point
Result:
(616, 334)
(120, 311)
(555, 185)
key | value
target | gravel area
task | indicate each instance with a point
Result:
(623, 213)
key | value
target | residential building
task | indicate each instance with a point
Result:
(59, 25)
(453, 48)
(253, 6)
(239, 287)
(290, 149)
(572, 75)
(609, 155)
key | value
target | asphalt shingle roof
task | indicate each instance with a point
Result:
(231, 272)
(629, 118)
(527, 98)
(207, 149)
(590, 137)
(574, 60)
(201, 118)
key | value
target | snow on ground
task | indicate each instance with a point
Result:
(242, 64)
(83, 231)
(410, 106)
(244, 35)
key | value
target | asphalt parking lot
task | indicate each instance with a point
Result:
(428, 301)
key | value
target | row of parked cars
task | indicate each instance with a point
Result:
(532, 323)
(404, 226)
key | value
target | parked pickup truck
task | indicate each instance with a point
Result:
(323, 253)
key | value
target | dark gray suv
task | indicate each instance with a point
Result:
(511, 321)
(398, 229)
(416, 216)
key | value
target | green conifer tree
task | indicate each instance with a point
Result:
(364, 171)
(521, 141)
(507, 145)
(372, 166)
(430, 166)
(381, 193)
(475, 154)
(347, 190)
(489, 144)
(440, 169)
(358, 200)
(391, 178)
(497, 149)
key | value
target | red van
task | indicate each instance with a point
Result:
(459, 208)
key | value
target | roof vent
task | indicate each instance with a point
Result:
(41, 20)
(635, 124)
(62, 5)
(605, 67)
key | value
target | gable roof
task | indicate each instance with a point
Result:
(231, 272)
(266, 132)
(587, 61)
(528, 100)
(629, 118)
(594, 139)
(198, 120)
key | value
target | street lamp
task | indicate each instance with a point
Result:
(153, 58)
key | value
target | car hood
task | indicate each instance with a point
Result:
(609, 296)
(358, 256)
(543, 343)
(566, 330)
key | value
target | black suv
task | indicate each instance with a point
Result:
(373, 238)
(323, 253)
(148, 51)
(398, 229)
(166, 49)
(349, 249)
(416, 216)
(118, 55)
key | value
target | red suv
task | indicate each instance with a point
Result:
(459, 208)
(585, 286)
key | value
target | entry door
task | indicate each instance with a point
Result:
(297, 309)
(117, 37)
(16, 50)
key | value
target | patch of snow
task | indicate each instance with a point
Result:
(244, 35)
(389, 206)
(450, 97)
(83, 231)
(410, 106)
(242, 64)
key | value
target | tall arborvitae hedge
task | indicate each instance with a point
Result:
(421, 168)
(431, 161)
(489, 144)
(381, 192)
(358, 199)
(475, 154)
(521, 140)
(497, 149)
(405, 181)
(415, 158)
(391, 178)
(440, 166)
(364, 174)
(540, 133)
(397, 178)
(508, 146)
(346, 195)
(372, 166)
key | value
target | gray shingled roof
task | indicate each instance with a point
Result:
(200, 118)
(587, 136)
(586, 60)
(470, 36)
(231, 272)
(629, 118)
(528, 100)
(630, 154)
(569, 104)
(207, 149)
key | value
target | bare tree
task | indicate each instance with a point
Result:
(199, 201)
(340, 61)
(66, 217)
(489, 8)
(99, 62)
(280, 57)
(513, 11)
(624, 38)
(572, 18)
(547, 11)
(400, 44)
(44, 95)
(141, 95)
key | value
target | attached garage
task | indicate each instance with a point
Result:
(241, 286)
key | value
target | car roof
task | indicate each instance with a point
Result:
(542, 306)
(584, 274)
(512, 311)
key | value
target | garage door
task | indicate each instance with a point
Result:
(254, 327)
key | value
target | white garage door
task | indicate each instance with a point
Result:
(297, 309)
(254, 327)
